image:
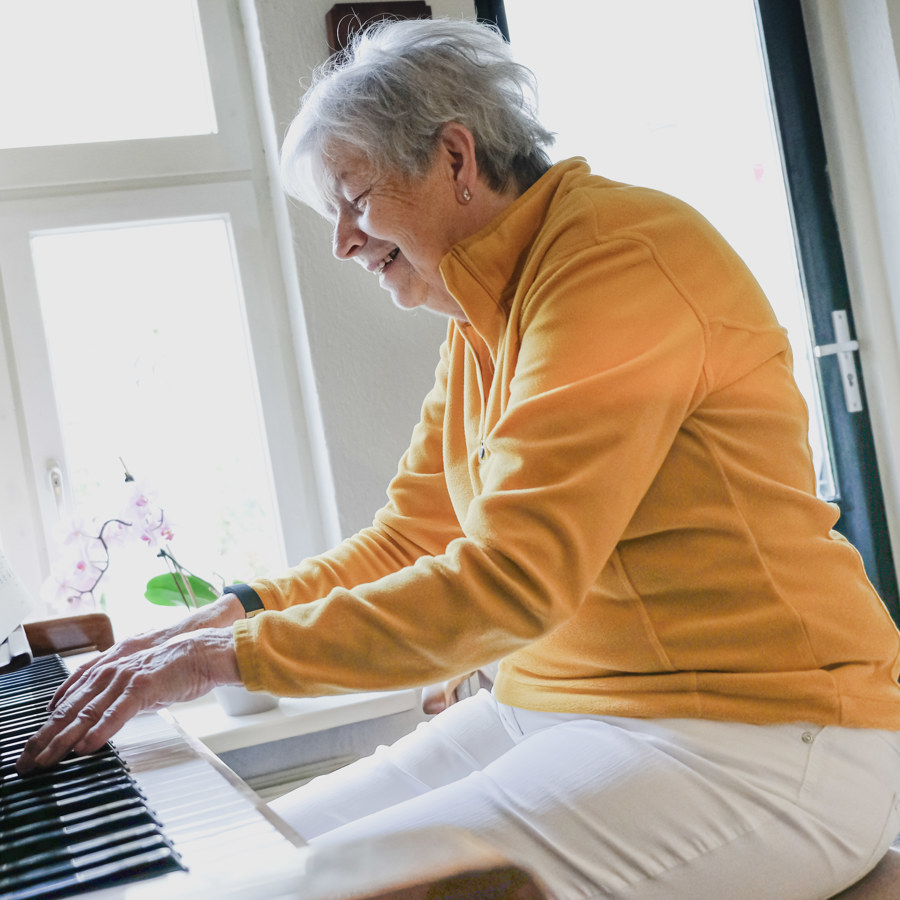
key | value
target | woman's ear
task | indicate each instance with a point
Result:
(458, 150)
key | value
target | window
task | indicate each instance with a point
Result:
(141, 311)
(135, 377)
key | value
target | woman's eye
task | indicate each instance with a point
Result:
(359, 203)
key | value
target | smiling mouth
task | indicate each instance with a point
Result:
(387, 261)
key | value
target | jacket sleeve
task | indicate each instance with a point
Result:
(610, 363)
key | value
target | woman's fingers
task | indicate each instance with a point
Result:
(117, 651)
(70, 721)
(437, 697)
(106, 695)
(76, 677)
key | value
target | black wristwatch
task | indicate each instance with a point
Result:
(248, 597)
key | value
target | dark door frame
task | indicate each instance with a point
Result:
(863, 519)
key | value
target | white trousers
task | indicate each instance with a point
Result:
(635, 809)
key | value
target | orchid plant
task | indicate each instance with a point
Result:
(85, 555)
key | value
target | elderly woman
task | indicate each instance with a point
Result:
(610, 488)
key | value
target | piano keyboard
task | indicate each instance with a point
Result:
(85, 823)
(152, 805)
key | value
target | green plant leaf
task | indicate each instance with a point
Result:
(163, 590)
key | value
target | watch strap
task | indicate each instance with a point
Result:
(248, 598)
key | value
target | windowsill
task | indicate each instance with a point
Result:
(205, 719)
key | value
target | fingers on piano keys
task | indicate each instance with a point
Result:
(80, 825)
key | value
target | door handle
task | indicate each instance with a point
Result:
(844, 348)
(55, 477)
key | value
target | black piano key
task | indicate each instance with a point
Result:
(57, 795)
(22, 698)
(143, 865)
(118, 836)
(25, 723)
(92, 769)
(88, 803)
(54, 837)
(8, 759)
(96, 763)
(13, 692)
(72, 759)
(96, 813)
(64, 868)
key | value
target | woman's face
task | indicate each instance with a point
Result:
(398, 228)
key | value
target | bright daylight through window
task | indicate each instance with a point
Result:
(102, 70)
(138, 374)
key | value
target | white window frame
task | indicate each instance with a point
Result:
(46, 189)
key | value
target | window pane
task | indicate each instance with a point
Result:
(679, 101)
(101, 70)
(151, 363)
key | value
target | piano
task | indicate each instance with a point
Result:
(155, 814)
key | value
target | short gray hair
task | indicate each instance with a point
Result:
(391, 93)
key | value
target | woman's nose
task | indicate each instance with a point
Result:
(348, 238)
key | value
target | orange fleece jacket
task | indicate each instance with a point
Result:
(610, 486)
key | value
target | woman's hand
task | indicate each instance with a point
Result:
(104, 696)
(437, 697)
(223, 613)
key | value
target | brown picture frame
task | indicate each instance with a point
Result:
(343, 20)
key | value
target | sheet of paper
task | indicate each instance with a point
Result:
(15, 601)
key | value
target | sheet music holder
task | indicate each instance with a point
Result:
(15, 605)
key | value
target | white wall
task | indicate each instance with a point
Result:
(854, 47)
(371, 364)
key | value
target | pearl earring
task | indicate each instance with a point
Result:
(466, 195)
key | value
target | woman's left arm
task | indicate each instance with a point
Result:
(104, 696)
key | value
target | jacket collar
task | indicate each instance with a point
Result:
(482, 271)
